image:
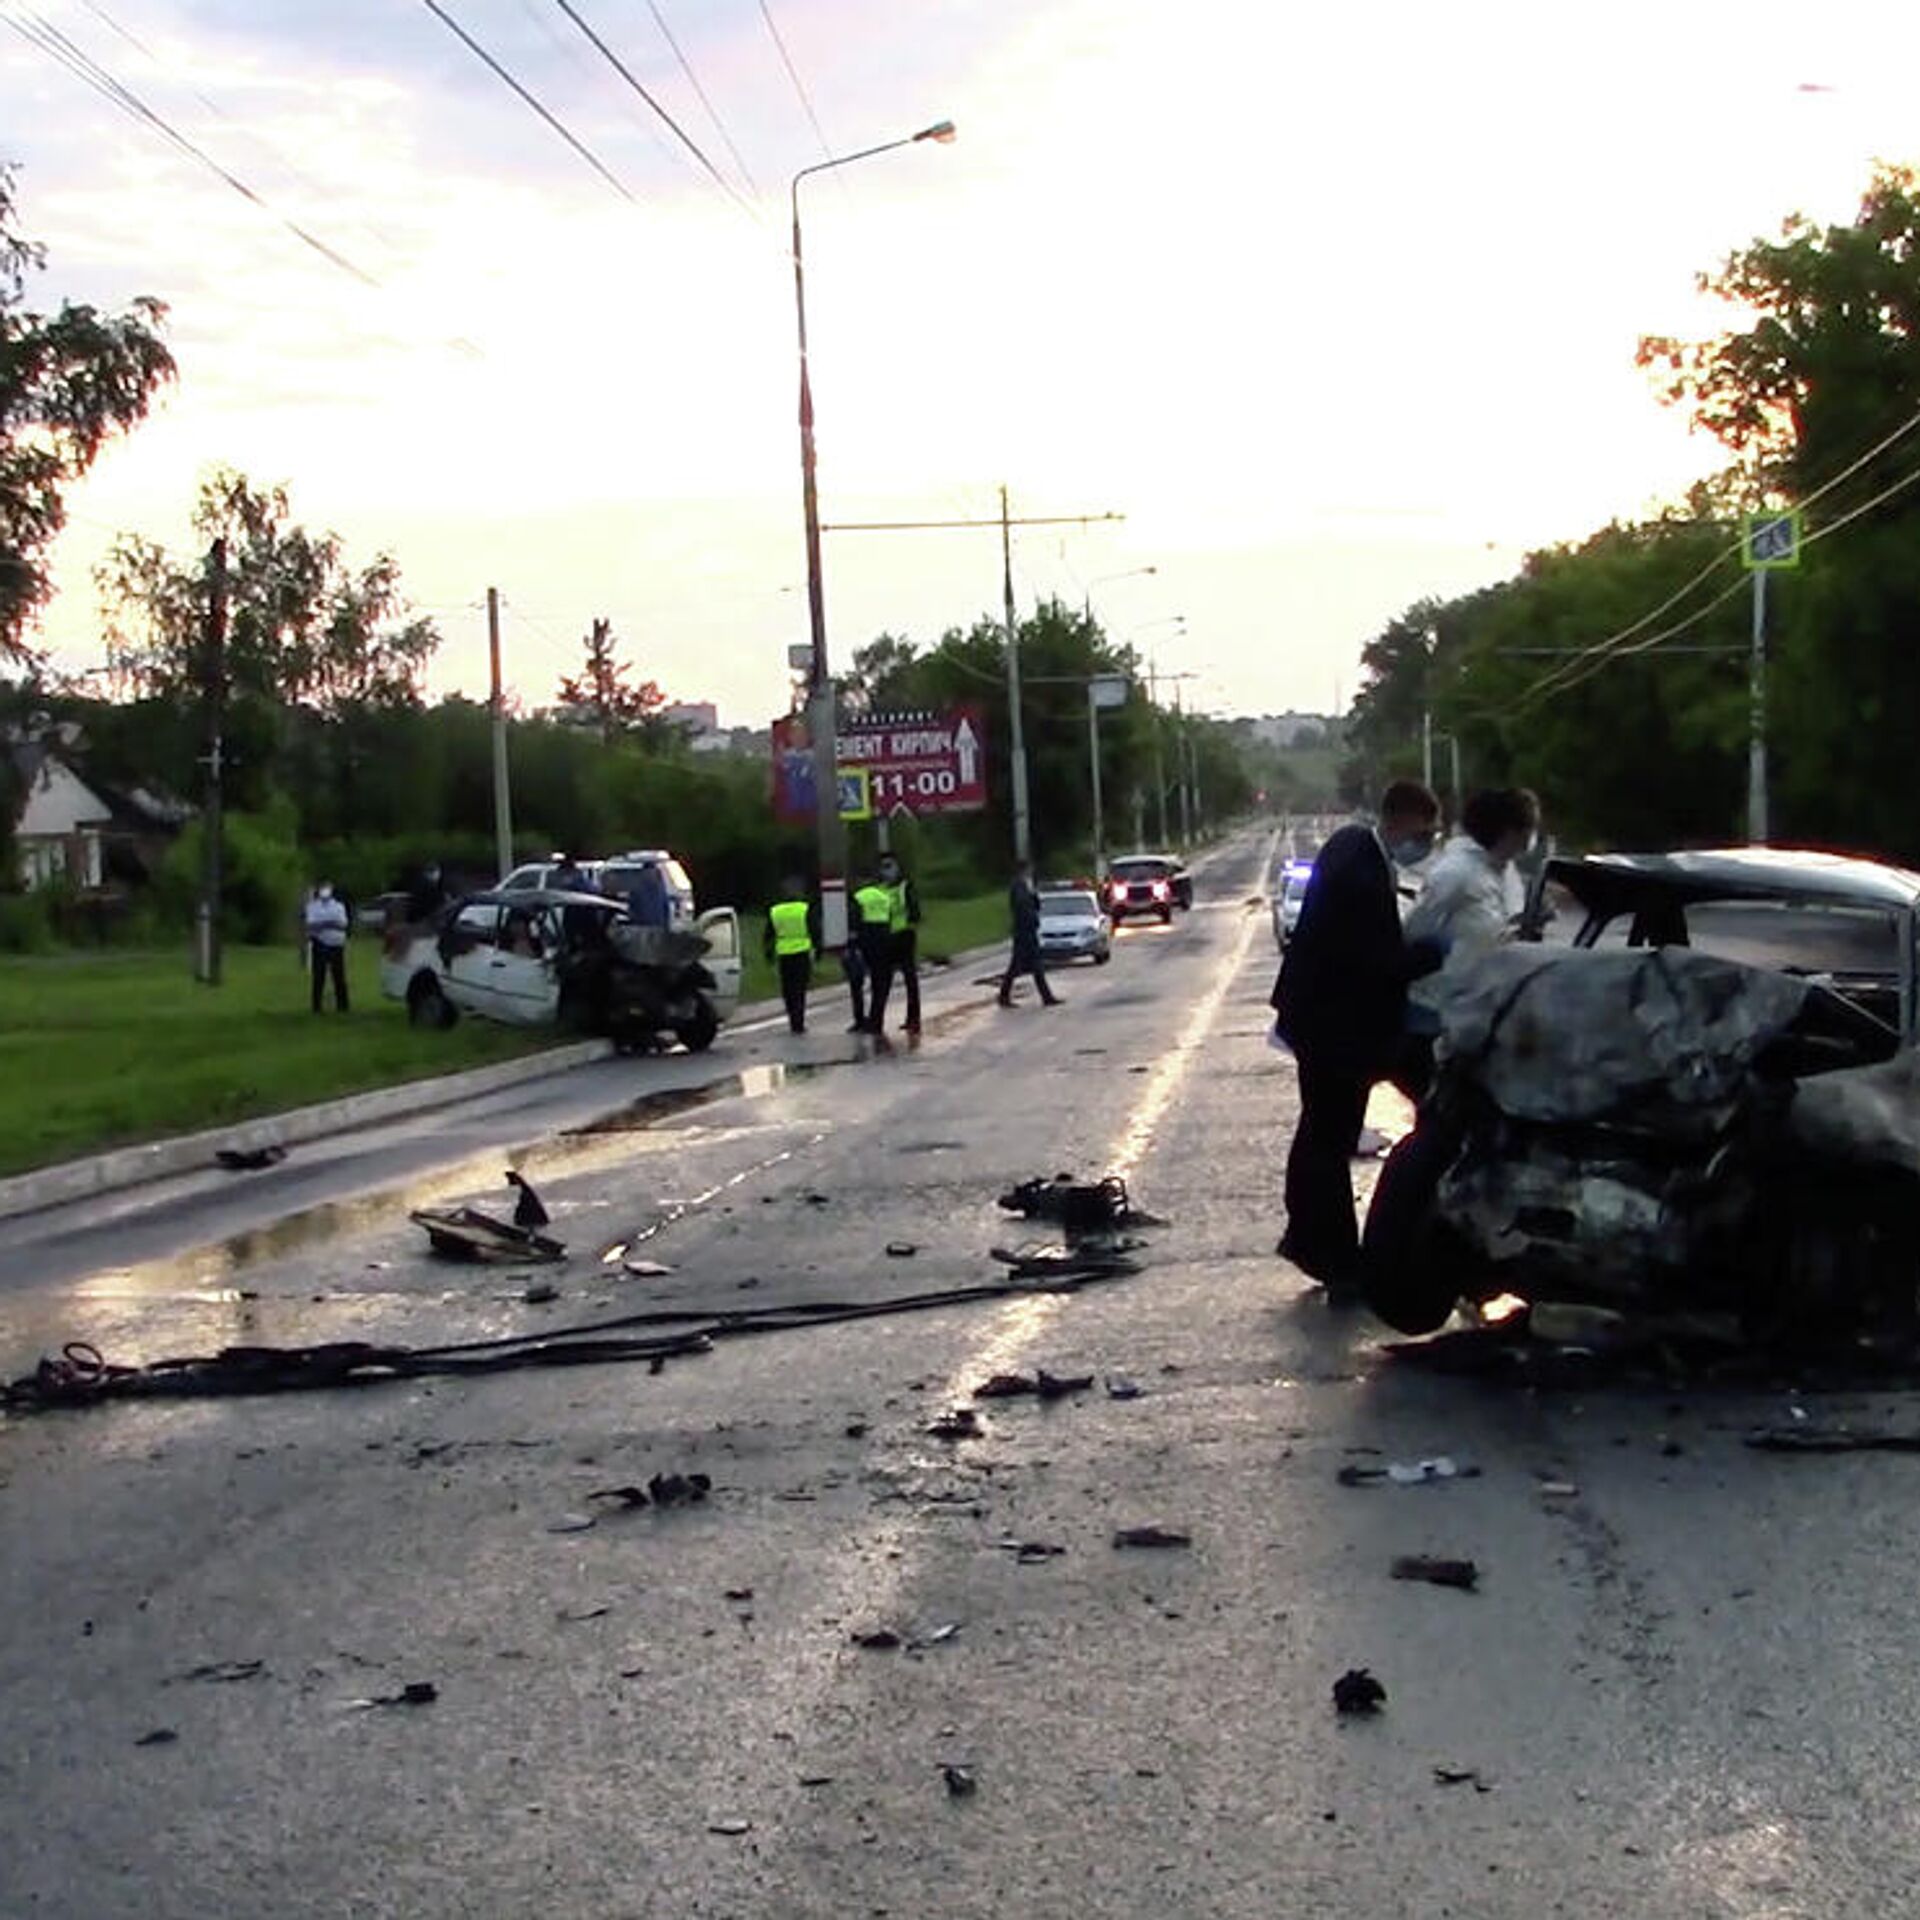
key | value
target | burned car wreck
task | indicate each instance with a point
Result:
(1709, 1102)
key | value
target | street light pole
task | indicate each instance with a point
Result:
(831, 830)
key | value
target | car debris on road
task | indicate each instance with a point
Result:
(465, 1233)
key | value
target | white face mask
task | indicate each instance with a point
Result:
(326, 893)
(1411, 849)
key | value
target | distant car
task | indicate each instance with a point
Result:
(1289, 896)
(1143, 883)
(532, 957)
(616, 878)
(1073, 926)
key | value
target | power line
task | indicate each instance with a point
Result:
(1549, 681)
(39, 32)
(693, 80)
(799, 86)
(680, 133)
(566, 133)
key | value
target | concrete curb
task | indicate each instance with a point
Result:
(100, 1173)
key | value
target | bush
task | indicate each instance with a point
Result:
(263, 881)
(26, 923)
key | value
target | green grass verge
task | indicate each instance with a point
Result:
(102, 1050)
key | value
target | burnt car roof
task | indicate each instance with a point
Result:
(1615, 882)
(541, 897)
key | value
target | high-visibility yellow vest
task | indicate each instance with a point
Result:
(875, 904)
(790, 933)
(897, 907)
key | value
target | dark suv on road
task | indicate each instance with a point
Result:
(1142, 883)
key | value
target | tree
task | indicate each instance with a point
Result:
(1824, 371)
(602, 692)
(314, 647)
(67, 382)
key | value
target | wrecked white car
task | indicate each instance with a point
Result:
(1709, 1102)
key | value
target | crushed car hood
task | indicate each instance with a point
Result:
(1862, 1116)
(1557, 1034)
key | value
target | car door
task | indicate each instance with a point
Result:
(721, 926)
(466, 952)
(522, 972)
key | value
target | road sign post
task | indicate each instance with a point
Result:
(1770, 543)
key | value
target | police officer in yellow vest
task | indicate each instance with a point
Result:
(873, 927)
(792, 936)
(903, 924)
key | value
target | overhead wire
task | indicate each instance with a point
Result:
(799, 85)
(553, 120)
(679, 132)
(1616, 642)
(713, 112)
(39, 32)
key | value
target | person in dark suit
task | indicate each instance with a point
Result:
(1340, 1004)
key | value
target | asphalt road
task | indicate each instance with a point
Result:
(1683, 1686)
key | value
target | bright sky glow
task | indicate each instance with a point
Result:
(1337, 306)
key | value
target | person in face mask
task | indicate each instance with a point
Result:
(325, 921)
(1340, 1006)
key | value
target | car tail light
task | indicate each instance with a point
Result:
(1118, 890)
(1159, 889)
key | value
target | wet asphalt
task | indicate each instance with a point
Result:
(1682, 1686)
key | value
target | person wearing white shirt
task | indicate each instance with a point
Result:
(1470, 902)
(324, 921)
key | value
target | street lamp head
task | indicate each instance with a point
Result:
(942, 130)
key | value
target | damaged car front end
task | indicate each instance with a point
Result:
(1708, 1103)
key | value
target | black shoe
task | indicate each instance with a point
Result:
(1006, 1000)
(1053, 1000)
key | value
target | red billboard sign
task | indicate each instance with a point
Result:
(933, 762)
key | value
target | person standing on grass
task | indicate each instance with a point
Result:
(903, 925)
(325, 925)
(1023, 904)
(791, 940)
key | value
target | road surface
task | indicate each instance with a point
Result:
(1683, 1686)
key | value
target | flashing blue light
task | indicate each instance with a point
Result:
(1299, 869)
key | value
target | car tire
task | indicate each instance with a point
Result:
(1101, 958)
(1166, 916)
(428, 1007)
(1414, 1266)
(574, 1014)
(697, 1034)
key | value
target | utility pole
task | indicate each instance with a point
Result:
(1093, 763)
(1426, 748)
(502, 797)
(1181, 761)
(213, 821)
(1757, 717)
(1016, 728)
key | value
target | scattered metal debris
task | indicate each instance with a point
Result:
(1027, 1552)
(1437, 1572)
(1042, 1385)
(574, 1522)
(1078, 1206)
(578, 1616)
(858, 1429)
(1068, 1266)
(663, 1490)
(901, 1249)
(960, 1780)
(1150, 1536)
(876, 1639)
(1462, 1776)
(225, 1670)
(738, 1593)
(732, 1827)
(645, 1269)
(958, 1423)
(1119, 1387)
(1357, 1691)
(538, 1293)
(1830, 1440)
(249, 1159)
(159, 1737)
(465, 1233)
(416, 1693)
(528, 1211)
(1557, 1490)
(1405, 1473)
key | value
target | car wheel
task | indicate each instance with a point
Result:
(574, 1014)
(1166, 916)
(427, 1006)
(1414, 1266)
(697, 1034)
(1101, 958)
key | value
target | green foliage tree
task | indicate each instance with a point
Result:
(68, 381)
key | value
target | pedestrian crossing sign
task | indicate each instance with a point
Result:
(1771, 542)
(856, 793)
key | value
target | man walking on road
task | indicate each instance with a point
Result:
(1023, 903)
(791, 929)
(903, 924)
(873, 923)
(325, 924)
(1340, 1004)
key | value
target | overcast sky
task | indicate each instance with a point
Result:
(1337, 306)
